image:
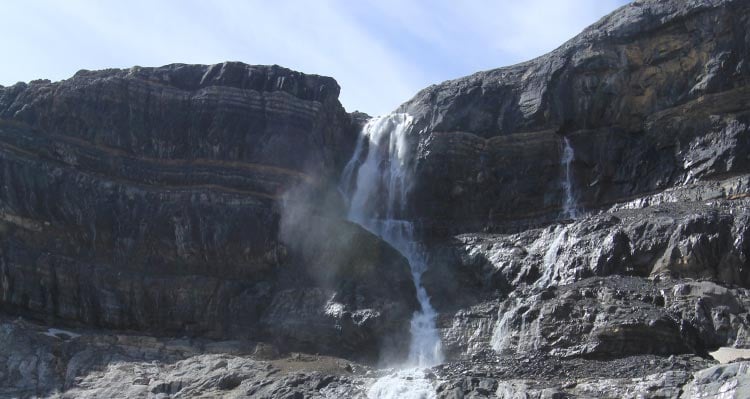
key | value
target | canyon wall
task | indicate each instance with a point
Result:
(653, 95)
(152, 199)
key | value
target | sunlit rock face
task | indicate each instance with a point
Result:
(653, 95)
(151, 199)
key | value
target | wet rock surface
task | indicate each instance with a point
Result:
(587, 287)
(601, 306)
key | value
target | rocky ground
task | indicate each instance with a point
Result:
(42, 362)
(39, 361)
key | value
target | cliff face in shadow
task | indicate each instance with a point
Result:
(150, 199)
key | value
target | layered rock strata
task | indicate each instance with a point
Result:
(653, 95)
(151, 199)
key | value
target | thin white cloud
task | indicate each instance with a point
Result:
(380, 51)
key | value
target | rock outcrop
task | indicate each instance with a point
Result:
(264, 115)
(645, 277)
(150, 199)
(42, 362)
(653, 95)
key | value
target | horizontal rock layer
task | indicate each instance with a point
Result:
(231, 111)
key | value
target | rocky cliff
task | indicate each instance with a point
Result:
(150, 199)
(201, 202)
(653, 95)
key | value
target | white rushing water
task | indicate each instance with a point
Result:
(377, 181)
(570, 205)
(377, 199)
(406, 384)
(552, 268)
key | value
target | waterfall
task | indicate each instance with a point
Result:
(503, 333)
(527, 336)
(377, 188)
(408, 384)
(570, 205)
(519, 339)
(552, 268)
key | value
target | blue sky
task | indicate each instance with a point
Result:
(380, 51)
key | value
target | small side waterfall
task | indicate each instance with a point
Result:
(377, 183)
(551, 272)
(503, 334)
(570, 205)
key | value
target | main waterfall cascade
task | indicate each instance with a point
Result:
(377, 188)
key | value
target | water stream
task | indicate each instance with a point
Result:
(551, 267)
(377, 181)
(570, 204)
